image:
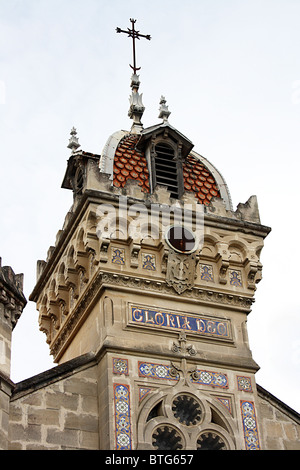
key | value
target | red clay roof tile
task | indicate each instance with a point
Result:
(130, 163)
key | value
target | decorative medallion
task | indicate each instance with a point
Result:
(120, 366)
(244, 383)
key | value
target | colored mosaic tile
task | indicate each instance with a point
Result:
(225, 402)
(235, 278)
(148, 262)
(118, 256)
(122, 416)
(143, 392)
(215, 379)
(155, 371)
(120, 366)
(244, 383)
(250, 425)
(206, 272)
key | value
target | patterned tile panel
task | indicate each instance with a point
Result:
(225, 402)
(149, 262)
(216, 379)
(250, 425)
(206, 272)
(235, 277)
(120, 366)
(118, 256)
(244, 383)
(143, 392)
(155, 371)
(122, 417)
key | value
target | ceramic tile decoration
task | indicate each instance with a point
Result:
(120, 366)
(118, 256)
(225, 402)
(216, 379)
(244, 383)
(155, 371)
(148, 262)
(143, 392)
(206, 272)
(235, 277)
(122, 417)
(198, 324)
(249, 425)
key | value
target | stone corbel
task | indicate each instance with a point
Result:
(45, 325)
(134, 255)
(164, 261)
(253, 272)
(71, 277)
(82, 260)
(104, 244)
(252, 269)
(55, 315)
(223, 262)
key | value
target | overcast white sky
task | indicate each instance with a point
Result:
(230, 71)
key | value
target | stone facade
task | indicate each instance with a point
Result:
(148, 328)
(62, 409)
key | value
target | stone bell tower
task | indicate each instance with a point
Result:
(154, 273)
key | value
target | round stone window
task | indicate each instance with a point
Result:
(181, 239)
(187, 410)
(167, 438)
(210, 441)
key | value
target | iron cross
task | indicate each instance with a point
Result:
(132, 33)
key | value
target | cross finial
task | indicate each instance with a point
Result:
(132, 33)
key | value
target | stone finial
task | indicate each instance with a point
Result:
(164, 112)
(137, 108)
(73, 141)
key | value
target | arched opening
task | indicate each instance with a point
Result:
(166, 168)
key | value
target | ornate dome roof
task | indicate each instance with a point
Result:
(124, 159)
(130, 163)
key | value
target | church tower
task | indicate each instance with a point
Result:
(153, 275)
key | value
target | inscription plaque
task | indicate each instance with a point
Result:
(195, 324)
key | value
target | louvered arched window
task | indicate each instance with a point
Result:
(166, 168)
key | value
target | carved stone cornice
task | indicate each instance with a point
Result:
(123, 282)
